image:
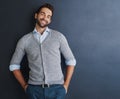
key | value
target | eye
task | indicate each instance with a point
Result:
(49, 16)
(42, 13)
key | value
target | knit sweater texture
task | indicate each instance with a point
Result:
(44, 59)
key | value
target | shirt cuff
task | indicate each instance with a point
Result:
(14, 67)
(70, 62)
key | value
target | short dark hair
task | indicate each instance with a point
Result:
(46, 5)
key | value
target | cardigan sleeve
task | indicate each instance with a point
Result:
(66, 51)
(18, 55)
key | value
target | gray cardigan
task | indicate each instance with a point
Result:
(44, 59)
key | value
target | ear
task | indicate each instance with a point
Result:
(35, 16)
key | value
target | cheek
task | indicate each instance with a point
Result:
(40, 16)
(49, 20)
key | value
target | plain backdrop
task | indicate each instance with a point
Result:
(92, 28)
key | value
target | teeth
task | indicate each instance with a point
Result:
(43, 22)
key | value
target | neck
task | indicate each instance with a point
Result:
(39, 29)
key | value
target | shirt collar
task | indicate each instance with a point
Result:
(47, 30)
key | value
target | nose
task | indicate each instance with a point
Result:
(44, 16)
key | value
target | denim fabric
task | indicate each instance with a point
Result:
(53, 92)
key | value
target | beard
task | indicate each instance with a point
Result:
(41, 24)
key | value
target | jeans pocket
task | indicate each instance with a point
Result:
(26, 90)
(64, 89)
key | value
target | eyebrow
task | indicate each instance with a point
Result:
(44, 13)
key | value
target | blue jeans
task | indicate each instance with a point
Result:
(52, 92)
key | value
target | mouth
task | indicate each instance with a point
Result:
(43, 22)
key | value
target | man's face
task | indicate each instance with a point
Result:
(43, 18)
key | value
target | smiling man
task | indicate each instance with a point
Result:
(43, 47)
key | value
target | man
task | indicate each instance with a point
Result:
(43, 48)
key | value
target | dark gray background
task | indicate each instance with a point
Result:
(92, 28)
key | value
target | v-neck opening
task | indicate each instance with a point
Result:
(48, 36)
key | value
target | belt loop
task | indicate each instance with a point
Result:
(48, 85)
(43, 86)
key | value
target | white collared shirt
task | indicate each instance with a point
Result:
(40, 37)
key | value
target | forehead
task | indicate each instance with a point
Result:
(46, 11)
